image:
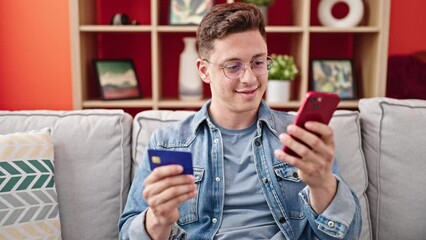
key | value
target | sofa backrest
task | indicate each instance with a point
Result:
(393, 133)
(92, 165)
(348, 149)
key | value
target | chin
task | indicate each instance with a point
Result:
(248, 104)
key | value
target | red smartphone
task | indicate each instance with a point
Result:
(316, 106)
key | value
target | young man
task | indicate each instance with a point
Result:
(244, 186)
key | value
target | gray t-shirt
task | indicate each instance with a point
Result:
(246, 214)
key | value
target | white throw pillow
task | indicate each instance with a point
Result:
(28, 199)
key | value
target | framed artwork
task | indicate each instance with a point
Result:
(335, 76)
(117, 79)
(187, 12)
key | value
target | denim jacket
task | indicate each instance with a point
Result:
(287, 196)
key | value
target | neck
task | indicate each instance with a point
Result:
(233, 120)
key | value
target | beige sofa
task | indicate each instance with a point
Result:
(380, 151)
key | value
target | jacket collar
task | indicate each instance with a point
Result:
(264, 116)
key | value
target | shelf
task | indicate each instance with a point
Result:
(108, 28)
(133, 103)
(177, 29)
(155, 48)
(344, 104)
(290, 104)
(181, 103)
(277, 29)
(344, 30)
(348, 104)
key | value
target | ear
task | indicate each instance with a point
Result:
(202, 67)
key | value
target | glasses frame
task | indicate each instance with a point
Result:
(269, 63)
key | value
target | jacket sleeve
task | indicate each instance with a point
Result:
(131, 224)
(340, 220)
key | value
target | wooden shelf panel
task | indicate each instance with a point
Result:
(290, 104)
(284, 29)
(177, 29)
(180, 103)
(142, 103)
(344, 30)
(109, 28)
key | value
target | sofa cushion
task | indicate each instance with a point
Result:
(92, 165)
(28, 199)
(145, 123)
(393, 133)
(351, 160)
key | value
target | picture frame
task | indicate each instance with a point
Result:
(335, 76)
(117, 79)
(187, 12)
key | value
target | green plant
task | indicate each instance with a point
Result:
(260, 2)
(283, 68)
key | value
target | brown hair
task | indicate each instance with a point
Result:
(224, 19)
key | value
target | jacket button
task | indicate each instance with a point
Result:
(282, 220)
(257, 143)
(295, 175)
(330, 224)
(265, 180)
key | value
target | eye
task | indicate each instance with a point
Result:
(233, 67)
(257, 63)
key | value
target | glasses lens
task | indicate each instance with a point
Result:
(261, 65)
(233, 69)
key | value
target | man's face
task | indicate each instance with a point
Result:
(245, 92)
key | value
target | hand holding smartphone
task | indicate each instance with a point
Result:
(166, 157)
(316, 106)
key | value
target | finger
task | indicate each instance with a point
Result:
(313, 141)
(171, 194)
(165, 183)
(323, 130)
(305, 168)
(166, 208)
(325, 145)
(315, 151)
(162, 172)
(294, 144)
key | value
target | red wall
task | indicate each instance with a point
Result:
(35, 64)
(407, 33)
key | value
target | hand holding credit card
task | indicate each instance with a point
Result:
(167, 157)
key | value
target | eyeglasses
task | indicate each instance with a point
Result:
(236, 69)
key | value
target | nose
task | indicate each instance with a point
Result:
(250, 76)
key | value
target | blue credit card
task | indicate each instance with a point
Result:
(166, 157)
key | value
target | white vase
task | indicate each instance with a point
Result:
(190, 84)
(278, 91)
(352, 19)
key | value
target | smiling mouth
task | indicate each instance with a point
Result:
(247, 91)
